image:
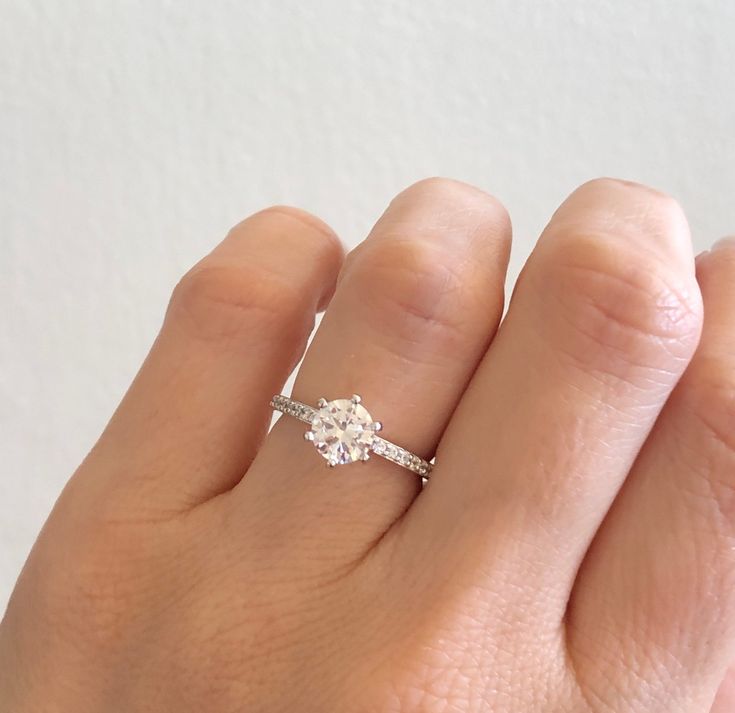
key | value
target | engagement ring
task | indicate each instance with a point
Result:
(343, 431)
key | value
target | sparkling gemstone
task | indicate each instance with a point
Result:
(342, 431)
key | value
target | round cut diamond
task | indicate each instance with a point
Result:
(342, 431)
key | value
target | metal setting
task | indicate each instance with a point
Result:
(343, 432)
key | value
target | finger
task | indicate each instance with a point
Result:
(659, 580)
(603, 321)
(414, 310)
(236, 326)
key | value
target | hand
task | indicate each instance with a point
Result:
(574, 549)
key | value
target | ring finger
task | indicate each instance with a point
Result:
(414, 310)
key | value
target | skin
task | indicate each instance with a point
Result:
(574, 550)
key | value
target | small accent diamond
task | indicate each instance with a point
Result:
(344, 432)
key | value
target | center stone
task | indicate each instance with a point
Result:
(342, 431)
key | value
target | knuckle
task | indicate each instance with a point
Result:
(437, 185)
(666, 208)
(456, 197)
(626, 306)
(716, 268)
(653, 205)
(224, 301)
(302, 226)
(408, 290)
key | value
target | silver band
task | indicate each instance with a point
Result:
(379, 446)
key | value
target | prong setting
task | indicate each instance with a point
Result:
(343, 432)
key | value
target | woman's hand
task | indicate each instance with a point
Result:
(574, 549)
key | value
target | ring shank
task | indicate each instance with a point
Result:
(381, 446)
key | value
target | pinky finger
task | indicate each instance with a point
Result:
(656, 593)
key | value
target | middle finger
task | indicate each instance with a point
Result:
(604, 321)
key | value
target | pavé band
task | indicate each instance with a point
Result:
(343, 431)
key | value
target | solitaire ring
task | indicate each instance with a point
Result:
(343, 431)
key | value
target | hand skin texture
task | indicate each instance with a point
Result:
(574, 551)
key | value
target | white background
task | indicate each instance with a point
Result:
(134, 133)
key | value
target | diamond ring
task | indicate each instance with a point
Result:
(343, 431)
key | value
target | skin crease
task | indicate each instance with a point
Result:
(574, 551)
